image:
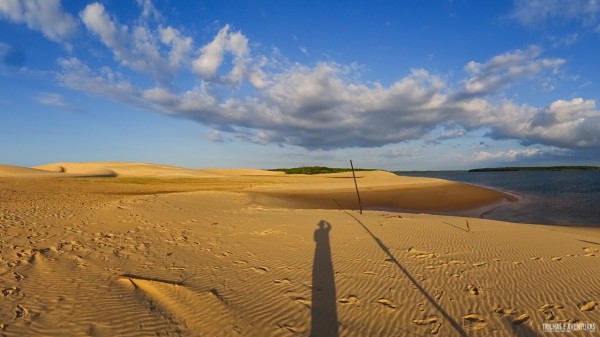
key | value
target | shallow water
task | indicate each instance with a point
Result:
(546, 197)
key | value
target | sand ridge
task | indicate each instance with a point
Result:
(98, 257)
(11, 170)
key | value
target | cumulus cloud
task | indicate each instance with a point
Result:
(138, 46)
(326, 105)
(104, 82)
(571, 124)
(45, 16)
(181, 46)
(507, 68)
(213, 53)
(535, 12)
(320, 107)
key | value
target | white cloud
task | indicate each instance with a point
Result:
(322, 107)
(566, 124)
(505, 69)
(566, 40)
(181, 46)
(512, 155)
(104, 82)
(46, 16)
(148, 9)
(213, 53)
(215, 136)
(138, 46)
(325, 106)
(536, 12)
(51, 99)
(55, 99)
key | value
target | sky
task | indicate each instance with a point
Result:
(396, 85)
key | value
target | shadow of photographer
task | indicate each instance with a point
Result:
(324, 320)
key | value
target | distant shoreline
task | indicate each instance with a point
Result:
(536, 168)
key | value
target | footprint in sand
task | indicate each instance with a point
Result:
(472, 290)
(298, 298)
(456, 262)
(290, 328)
(282, 281)
(260, 270)
(435, 267)
(11, 291)
(21, 311)
(587, 305)
(556, 258)
(386, 303)
(474, 322)
(420, 254)
(479, 264)
(225, 254)
(433, 322)
(550, 306)
(591, 251)
(522, 318)
(18, 276)
(505, 311)
(351, 299)
(455, 274)
(547, 310)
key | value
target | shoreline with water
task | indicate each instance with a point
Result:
(567, 198)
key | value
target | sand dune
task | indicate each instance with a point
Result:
(10, 170)
(127, 169)
(107, 257)
(123, 169)
(52, 171)
(242, 172)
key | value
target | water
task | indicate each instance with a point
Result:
(546, 197)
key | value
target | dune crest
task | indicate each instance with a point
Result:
(127, 169)
(11, 170)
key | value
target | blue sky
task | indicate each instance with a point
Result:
(398, 85)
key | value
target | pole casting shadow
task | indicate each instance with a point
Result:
(324, 320)
(461, 332)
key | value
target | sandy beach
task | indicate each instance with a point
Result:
(129, 249)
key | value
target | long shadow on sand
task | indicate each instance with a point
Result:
(324, 320)
(592, 242)
(461, 332)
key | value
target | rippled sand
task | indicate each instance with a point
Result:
(146, 251)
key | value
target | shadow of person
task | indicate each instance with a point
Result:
(523, 330)
(324, 320)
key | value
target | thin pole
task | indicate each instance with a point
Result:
(356, 185)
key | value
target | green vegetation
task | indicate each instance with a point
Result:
(316, 170)
(537, 168)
